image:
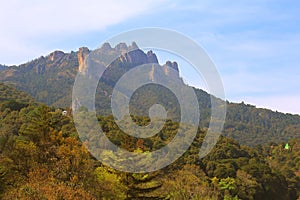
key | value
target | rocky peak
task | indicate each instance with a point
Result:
(133, 46)
(173, 65)
(129, 54)
(106, 47)
(82, 55)
(138, 57)
(56, 55)
(168, 65)
(151, 57)
(121, 47)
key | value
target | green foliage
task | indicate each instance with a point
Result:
(228, 184)
(142, 186)
(10, 95)
(48, 81)
(190, 182)
(286, 162)
(41, 156)
(253, 126)
(109, 184)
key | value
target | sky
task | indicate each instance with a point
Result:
(255, 45)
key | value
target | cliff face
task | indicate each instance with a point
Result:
(49, 79)
(169, 65)
(138, 57)
(131, 56)
(57, 60)
(171, 69)
(82, 55)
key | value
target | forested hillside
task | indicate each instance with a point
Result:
(41, 157)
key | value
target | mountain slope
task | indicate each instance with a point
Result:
(9, 93)
(50, 80)
(42, 158)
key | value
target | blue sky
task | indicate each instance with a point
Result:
(254, 44)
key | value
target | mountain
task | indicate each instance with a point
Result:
(11, 94)
(50, 80)
(12, 99)
(41, 156)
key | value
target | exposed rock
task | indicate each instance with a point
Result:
(173, 65)
(135, 57)
(138, 57)
(151, 73)
(151, 57)
(133, 46)
(56, 55)
(106, 47)
(82, 55)
(121, 47)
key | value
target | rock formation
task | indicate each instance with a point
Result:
(171, 65)
(56, 55)
(82, 55)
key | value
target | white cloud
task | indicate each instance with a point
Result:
(38, 17)
(23, 21)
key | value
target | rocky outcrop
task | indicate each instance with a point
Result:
(82, 55)
(133, 56)
(151, 57)
(168, 70)
(56, 55)
(128, 54)
(174, 66)
(133, 46)
(138, 57)
(151, 73)
(106, 47)
(121, 47)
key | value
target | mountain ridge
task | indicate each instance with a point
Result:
(49, 79)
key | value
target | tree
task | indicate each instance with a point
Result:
(189, 182)
(108, 184)
(247, 185)
(228, 185)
